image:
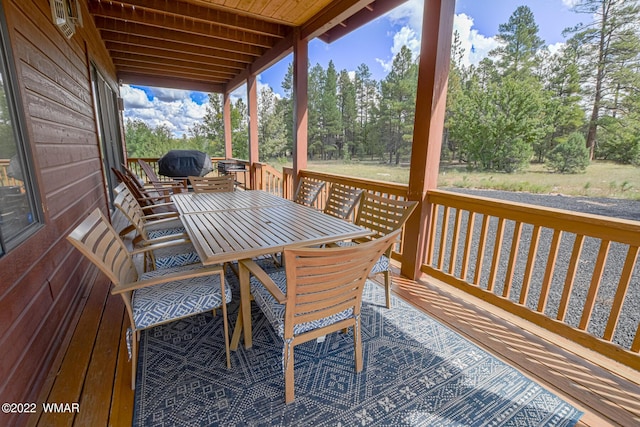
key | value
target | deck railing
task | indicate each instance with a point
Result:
(574, 274)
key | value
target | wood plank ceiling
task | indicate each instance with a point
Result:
(214, 45)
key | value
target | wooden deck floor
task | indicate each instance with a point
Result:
(93, 369)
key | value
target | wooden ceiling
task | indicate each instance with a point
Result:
(214, 45)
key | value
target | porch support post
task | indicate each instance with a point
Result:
(300, 99)
(435, 52)
(226, 116)
(252, 99)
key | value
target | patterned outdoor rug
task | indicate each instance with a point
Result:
(416, 373)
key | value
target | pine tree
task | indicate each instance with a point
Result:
(607, 45)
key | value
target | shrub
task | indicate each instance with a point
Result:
(571, 156)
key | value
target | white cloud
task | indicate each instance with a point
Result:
(475, 45)
(172, 108)
(570, 3)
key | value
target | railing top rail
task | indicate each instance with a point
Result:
(367, 184)
(603, 227)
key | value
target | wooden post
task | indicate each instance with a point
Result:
(435, 53)
(226, 115)
(252, 100)
(300, 99)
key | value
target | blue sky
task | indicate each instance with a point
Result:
(374, 44)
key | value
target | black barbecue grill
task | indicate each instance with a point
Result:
(228, 166)
(183, 163)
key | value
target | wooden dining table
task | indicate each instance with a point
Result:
(232, 226)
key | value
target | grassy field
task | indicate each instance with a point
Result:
(601, 179)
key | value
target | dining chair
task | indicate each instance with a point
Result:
(341, 200)
(318, 292)
(155, 297)
(174, 249)
(154, 202)
(177, 185)
(212, 184)
(308, 191)
(382, 215)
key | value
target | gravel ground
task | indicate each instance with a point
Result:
(626, 209)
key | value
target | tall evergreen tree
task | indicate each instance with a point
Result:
(366, 99)
(271, 127)
(520, 43)
(608, 44)
(330, 112)
(347, 106)
(397, 105)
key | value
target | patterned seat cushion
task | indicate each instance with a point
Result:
(155, 230)
(175, 256)
(172, 300)
(274, 311)
(380, 266)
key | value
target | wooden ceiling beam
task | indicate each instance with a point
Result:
(364, 16)
(279, 51)
(337, 12)
(168, 35)
(163, 69)
(209, 14)
(169, 22)
(165, 54)
(144, 69)
(136, 41)
(131, 77)
(174, 63)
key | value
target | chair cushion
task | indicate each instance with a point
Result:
(380, 266)
(179, 298)
(175, 256)
(274, 311)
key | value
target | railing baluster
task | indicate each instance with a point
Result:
(531, 259)
(497, 248)
(571, 275)
(433, 226)
(454, 242)
(481, 245)
(595, 284)
(471, 220)
(621, 292)
(513, 256)
(548, 272)
(443, 236)
(635, 347)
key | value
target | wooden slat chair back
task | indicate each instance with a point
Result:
(212, 184)
(155, 297)
(176, 185)
(383, 215)
(156, 204)
(177, 249)
(341, 200)
(308, 191)
(318, 292)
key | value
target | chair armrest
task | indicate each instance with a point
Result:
(264, 278)
(161, 217)
(205, 271)
(159, 243)
(178, 238)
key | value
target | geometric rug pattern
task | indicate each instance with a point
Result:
(416, 372)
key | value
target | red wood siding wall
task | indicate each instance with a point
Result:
(43, 280)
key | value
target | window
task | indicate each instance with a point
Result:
(18, 212)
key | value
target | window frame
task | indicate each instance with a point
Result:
(23, 146)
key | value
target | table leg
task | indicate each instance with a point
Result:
(245, 304)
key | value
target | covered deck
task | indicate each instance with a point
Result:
(92, 367)
(469, 262)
